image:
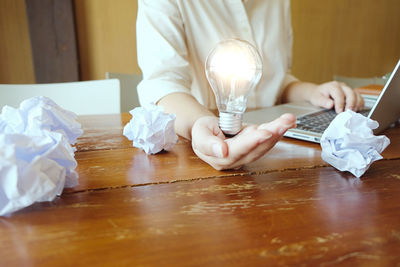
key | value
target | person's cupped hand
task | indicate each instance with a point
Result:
(252, 142)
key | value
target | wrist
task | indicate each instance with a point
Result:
(295, 91)
(309, 89)
(187, 111)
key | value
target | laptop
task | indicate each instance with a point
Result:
(312, 121)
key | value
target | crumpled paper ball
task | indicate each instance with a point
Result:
(37, 114)
(34, 169)
(348, 144)
(36, 157)
(151, 129)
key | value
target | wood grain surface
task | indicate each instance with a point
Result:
(298, 217)
(107, 159)
(289, 208)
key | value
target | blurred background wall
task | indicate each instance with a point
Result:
(16, 65)
(358, 38)
(106, 37)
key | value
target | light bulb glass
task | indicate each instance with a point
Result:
(233, 69)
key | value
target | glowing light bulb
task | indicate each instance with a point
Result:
(233, 69)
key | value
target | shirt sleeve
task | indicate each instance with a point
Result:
(162, 51)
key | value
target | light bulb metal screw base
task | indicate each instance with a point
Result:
(230, 123)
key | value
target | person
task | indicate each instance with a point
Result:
(174, 38)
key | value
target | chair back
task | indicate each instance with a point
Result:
(129, 82)
(82, 98)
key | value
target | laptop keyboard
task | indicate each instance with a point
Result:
(317, 122)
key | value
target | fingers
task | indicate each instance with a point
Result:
(280, 125)
(321, 98)
(276, 129)
(259, 151)
(243, 148)
(337, 95)
(246, 141)
(250, 144)
(354, 100)
(360, 101)
(350, 97)
(208, 138)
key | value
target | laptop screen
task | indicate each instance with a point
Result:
(387, 108)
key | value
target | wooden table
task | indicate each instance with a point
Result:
(131, 209)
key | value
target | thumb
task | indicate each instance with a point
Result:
(208, 139)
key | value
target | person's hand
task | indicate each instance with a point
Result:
(338, 95)
(252, 142)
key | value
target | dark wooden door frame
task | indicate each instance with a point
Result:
(53, 40)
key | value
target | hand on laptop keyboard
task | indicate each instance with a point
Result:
(327, 95)
(336, 95)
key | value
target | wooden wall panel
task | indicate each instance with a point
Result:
(106, 37)
(358, 38)
(15, 50)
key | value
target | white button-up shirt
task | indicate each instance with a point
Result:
(174, 38)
